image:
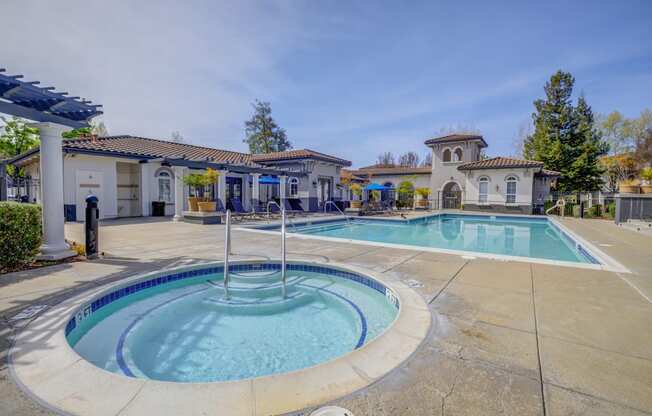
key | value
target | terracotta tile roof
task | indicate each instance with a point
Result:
(392, 170)
(298, 154)
(349, 175)
(456, 138)
(546, 172)
(153, 148)
(501, 163)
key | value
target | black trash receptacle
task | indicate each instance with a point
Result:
(158, 209)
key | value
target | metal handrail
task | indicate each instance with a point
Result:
(283, 251)
(561, 204)
(227, 251)
(348, 220)
(269, 203)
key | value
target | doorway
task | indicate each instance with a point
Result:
(452, 196)
(324, 190)
(233, 191)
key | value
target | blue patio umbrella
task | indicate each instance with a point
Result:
(376, 187)
(268, 180)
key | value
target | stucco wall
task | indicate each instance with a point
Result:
(497, 186)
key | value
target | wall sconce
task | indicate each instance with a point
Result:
(314, 184)
(497, 188)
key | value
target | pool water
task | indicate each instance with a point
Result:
(512, 236)
(188, 332)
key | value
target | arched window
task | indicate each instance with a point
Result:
(164, 179)
(447, 155)
(510, 195)
(483, 189)
(457, 155)
(294, 187)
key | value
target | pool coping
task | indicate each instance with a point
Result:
(44, 365)
(606, 262)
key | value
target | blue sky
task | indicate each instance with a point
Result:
(348, 78)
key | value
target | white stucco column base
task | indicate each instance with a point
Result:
(54, 245)
(179, 173)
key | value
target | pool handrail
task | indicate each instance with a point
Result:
(227, 251)
(283, 251)
(348, 220)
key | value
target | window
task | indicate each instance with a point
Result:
(164, 186)
(294, 187)
(447, 155)
(483, 190)
(510, 196)
(457, 155)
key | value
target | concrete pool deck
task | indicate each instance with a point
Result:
(506, 338)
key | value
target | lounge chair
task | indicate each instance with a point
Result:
(293, 206)
(239, 213)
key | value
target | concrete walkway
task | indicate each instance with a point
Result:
(508, 338)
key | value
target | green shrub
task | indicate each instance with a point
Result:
(20, 234)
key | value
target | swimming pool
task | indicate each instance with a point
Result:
(513, 236)
(179, 327)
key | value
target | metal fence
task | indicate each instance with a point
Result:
(633, 207)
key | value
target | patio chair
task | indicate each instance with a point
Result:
(239, 213)
(293, 207)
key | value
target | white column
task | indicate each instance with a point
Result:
(255, 190)
(145, 182)
(221, 188)
(54, 245)
(179, 173)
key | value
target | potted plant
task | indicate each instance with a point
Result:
(629, 186)
(646, 175)
(208, 178)
(356, 190)
(423, 194)
(194, 180)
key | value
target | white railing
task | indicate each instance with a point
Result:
(283, 251)
(326, 203)
(227, 251)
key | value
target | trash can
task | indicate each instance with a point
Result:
(158, 209)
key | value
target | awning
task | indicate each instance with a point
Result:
(267, 180)
(377, 187)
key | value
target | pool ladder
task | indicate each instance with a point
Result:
(327, 203)
(227, 251)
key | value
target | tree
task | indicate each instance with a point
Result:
(176, 137)
(386, 159)
(427, 160)
(618, 168)
(409, 160)
(612, 130)
(95, 128)
(263, 134)
(524, 131)
(565, 137)
(17, 137)
(99, 128)
(639, 130)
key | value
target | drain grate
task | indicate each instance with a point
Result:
(414, 283)
(30, 312)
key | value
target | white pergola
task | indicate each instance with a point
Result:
(53, 114)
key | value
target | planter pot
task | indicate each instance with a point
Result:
(422, 203)
(628, 189)
(356, 204)
(207, 206)
(192, 203)
(646, 189)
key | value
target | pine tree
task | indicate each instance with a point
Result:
(565, 138)
(263, 134)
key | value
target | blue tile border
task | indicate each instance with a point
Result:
(87, 310)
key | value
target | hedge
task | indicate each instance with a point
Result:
(20, 234)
